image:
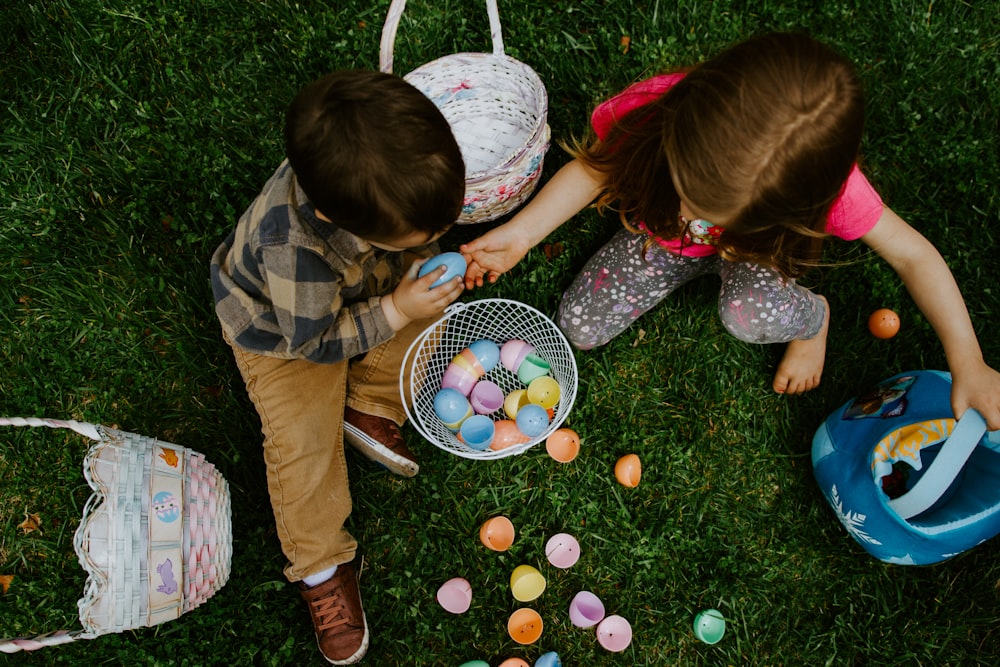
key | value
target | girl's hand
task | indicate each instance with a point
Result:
(492, 254)
(977, 388)
(413, 299)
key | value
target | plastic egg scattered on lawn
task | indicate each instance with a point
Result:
(614, 633)
(477, 432)
(497, 533)
(486, 397)
(586, 610)
(563, 445)
(514, 401)
(454, 265)
(883, 323)
(487, 352)
(628, 471)
(475, 663)
(544, 391)
(513, 352)
(452, 408)
(562, 550)
(709, 626)
(506, 434)
(526, 583)
(532, 420)
(455, 595)
(550, 659)
(513, 662)
(524, 626)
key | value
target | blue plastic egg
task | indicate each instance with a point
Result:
(452, 408)
(550, 659)
(454, 262)
(532, 420)
(487, 352)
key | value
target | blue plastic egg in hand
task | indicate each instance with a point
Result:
(453, 261)
(532, 420)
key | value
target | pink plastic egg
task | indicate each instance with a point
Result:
(614, 633)
(455, 595)
(513, 353)
(486, 397)
(562, 550)
(456, 377)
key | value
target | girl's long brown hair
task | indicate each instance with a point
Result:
(762, 137)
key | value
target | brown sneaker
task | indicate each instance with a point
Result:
(379, 439)
(337, 616)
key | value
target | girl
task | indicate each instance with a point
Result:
(740, 167)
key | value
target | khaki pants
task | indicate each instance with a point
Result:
(301, 408)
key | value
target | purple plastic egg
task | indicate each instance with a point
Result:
(486, 397)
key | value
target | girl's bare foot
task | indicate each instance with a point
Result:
(801, 367)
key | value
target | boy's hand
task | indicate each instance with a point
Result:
(413, 299)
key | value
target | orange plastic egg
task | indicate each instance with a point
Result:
(513, 662)
(563, 445)
(506, 434)
(525, 626)
(628, 470)
(497, 533)
(883, 323)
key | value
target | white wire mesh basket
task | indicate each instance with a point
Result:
(497, 108)
(155, 538)
(498, 320)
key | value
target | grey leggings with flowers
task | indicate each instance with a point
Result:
(619, 283)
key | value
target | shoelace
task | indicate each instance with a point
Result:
(328, 611)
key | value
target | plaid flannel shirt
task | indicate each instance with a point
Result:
(290, 285)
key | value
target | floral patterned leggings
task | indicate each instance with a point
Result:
(618, 284)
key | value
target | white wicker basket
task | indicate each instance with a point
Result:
(155, 538)
(497, 108)
(499, 320)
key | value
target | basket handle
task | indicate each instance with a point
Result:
(17, 644)
(942, 472)
(83, 428)
(392, 23)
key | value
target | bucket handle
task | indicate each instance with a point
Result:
(949, 462)
(392, 23)
(16, 644)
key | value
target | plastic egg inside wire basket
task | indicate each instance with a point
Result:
(499, 320)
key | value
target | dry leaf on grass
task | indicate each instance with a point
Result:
(5, 581)
(31, 523)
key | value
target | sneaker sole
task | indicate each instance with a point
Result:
(379, 453)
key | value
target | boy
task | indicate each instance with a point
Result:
(317, 294)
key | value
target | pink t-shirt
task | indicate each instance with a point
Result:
(853, 215)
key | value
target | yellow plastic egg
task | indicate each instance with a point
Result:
(544, 391)
(514, 401)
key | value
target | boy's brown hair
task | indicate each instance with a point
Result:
(374, 155)
(762, 137)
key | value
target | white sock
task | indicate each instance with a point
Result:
(319, 577)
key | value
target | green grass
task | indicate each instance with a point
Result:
(134, 135)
